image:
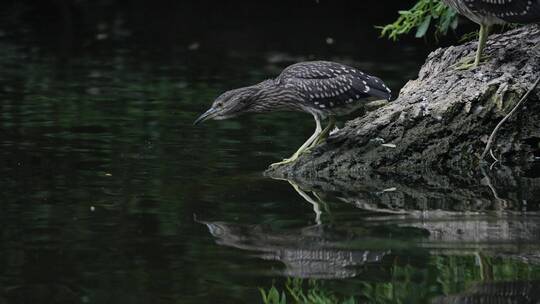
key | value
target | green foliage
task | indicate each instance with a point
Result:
(304, 292)
(273, 296)
(440, 275)
(423, 14)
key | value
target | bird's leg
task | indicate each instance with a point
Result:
(324, 133)
(309, 199)
(309, 141)
(472, 62)
(484, 32)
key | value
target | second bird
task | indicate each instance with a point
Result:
(489, 12)
(321, 88)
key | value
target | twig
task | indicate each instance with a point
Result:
(495, 158)
(494, 163)
(491, 187)
(493, 155)
(505, 118)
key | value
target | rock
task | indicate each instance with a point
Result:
(442, 119)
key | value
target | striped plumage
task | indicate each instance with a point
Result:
(489, 12)
(321, 88)
(331, 88)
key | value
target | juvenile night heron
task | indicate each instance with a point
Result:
(489, 12)
(320, 88)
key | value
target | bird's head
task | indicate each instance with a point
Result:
(233, 103)
(229, 104)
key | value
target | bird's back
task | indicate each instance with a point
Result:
(498, 11)
(332, 87)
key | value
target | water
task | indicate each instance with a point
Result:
(110, 195)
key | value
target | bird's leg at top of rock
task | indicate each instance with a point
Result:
(469, 62)
(472, 62)
(303, 148)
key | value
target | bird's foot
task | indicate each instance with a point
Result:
(283, 162)
(463, 67)
(469, 62)
(290, 159)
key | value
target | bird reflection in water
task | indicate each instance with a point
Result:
(314, 199)
(308, 252)
(479, 237)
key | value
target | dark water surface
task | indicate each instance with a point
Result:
(110, 195)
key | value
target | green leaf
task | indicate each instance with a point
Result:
(273, 295)
(420, 17)
(283, 298)
(454, 23)
(263, 296)
(351, 300)
(422, 29)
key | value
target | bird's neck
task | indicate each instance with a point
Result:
(266, 90)
(274, 97)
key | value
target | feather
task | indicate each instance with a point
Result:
(328, 85)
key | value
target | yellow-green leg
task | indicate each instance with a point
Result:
(305, 145)
(472, 62)
(309, 199)
(324, 134)
(484, 32)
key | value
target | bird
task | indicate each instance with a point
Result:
(490, 12)
(323, 89)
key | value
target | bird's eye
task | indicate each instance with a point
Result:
(219, 104)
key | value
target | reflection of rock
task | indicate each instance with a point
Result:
(481, 229)
(497, 228)
(498, 292)
(501, 188)
(450, 208)
(307, 253)
(504, 236)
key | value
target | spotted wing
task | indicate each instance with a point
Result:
(328, 84)
(518, 11)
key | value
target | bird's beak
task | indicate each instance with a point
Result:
(205, 116)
